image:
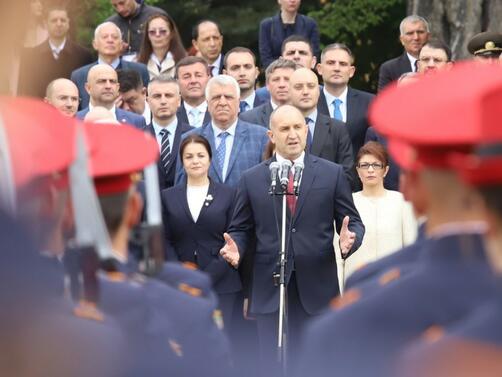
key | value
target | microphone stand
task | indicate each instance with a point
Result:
(280, 280)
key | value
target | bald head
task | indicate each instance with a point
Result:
(63, 95)
(304, 90)
(102, 85)
(288, 131)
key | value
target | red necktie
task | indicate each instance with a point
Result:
(291, 199)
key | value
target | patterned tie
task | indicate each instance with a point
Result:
(165, 149)
(337, 113)
(195, 115)
(211, 67)
(243, 106)
(309, 134)
(291, 199)
(220, 152)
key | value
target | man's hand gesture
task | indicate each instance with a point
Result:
(230, 252)
(347, 238)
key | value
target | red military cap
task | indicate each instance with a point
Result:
(483, 167)
(38, 139)
(116, 154)
(452, 108)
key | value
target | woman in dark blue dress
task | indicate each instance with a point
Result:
(196, 214)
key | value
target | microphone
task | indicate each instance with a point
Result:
(285, 167)
(274, 173)
(298, 175)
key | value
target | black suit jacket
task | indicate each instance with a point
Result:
(259, 115)
(200, 242)
(392, 69)
(182, 115)
(332, 142)
(166, 180)
(38, 66)
(325, 197)
(357, 115)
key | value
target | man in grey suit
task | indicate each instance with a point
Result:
(338, 100)
(103, 88)
(236, 145)
(277, 76)
(327, 137)
(108, 43)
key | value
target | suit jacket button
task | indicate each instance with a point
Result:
(293, 230)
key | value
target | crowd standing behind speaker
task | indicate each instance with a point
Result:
(211, 135)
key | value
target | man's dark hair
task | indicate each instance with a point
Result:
(195, 29)
(297, 38)
(128, 80)
(48, 8)
(238, 49)
(190, 60)
(437, 43)
(338, 46)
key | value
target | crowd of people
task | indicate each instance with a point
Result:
(169, 201)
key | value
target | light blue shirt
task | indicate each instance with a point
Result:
(114, 64)
(229, 142)
(343, 106)
(250, 100)
(313, 119)
(171, 128)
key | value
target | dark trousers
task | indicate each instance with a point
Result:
(268, 325)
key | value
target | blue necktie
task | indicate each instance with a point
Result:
(309, 134)
(165, 149)
(220, 152)
(243, 106)
(337, 113)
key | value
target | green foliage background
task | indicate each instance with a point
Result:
(368, 27)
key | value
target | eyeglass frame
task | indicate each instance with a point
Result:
(374, 165)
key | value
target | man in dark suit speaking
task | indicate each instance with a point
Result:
(311, 276)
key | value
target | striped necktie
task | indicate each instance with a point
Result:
(165, 149)
(220, 152)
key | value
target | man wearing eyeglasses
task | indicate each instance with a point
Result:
(63, 95)
(435, 55)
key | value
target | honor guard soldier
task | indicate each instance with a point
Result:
(486, 45)
(173, 330)
(364, 336)
(41, 333)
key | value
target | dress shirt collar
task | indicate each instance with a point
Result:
(330, 98)
(413, 62)
(114, 63)
(281, 159)
(274, 105)
(156, 60)
(230, 130)
(216, 66)
(57, 49)
(312, 116)
(202, 107)
(171, 127)
(250, 100)
(147, 114)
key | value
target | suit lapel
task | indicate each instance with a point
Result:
(266, 111)
(182, 114)
(352, 105)
(320, 133)
(211, 191)
(322, 105)
(181, 194)
(308, 176)
(239, 139)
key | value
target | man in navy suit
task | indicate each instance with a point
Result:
(108, 43)
(277, 77)
(103, 87)
(164, 99)
(240, 63)
(236, 145)
(327, 138)
(325, 198)
(192, 74)
(338, 100)
(414, 33)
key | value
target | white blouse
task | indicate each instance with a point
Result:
(390, 224)
(196, 195)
